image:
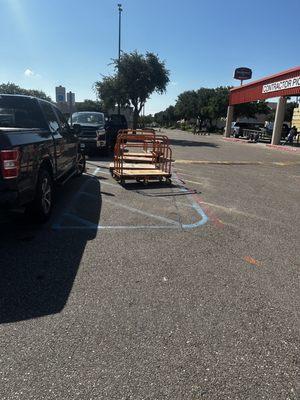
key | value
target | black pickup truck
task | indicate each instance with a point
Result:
(113, 125)
(92, 132)
(96, 133)
(37, 149)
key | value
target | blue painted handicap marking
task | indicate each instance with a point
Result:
(70, 218)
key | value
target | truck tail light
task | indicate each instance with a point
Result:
(10, 163)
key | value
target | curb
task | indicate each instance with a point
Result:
(271, 146)
(284, 148)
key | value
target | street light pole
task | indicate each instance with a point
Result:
(120, 12)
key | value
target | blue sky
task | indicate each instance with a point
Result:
(71, 42)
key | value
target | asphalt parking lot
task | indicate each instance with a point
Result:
(189, 291)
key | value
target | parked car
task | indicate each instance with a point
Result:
(113, 125)
(92, 131)
(37, 149)
(237, 128)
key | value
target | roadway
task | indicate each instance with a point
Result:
(189, 291)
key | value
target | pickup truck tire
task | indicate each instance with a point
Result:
(41, 207)
(80, 164)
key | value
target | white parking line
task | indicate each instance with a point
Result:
(98, 169)
(86, 224)
(137, 211)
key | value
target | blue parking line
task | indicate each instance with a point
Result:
(202, 221)
(85, 224)
(198, 209)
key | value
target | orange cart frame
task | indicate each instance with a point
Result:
(155, 151)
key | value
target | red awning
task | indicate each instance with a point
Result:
(285, 83)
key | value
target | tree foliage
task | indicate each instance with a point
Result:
(145, 120)
(167, 117)
(109, 92)
(161, 119)
(207, 105)
(89, 105)
(136, 77)
(187, 104)
(12, 88)
(249, 110)
(218, 103)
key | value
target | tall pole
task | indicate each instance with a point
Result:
(70, 108)
(119, 54)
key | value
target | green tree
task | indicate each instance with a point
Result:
(218, 103)
(206, 104)
(170, 115)
(12, 88)
(161, 118)
(136, 77)
(110, 92)
(249, 110)
(89, 105)
(146, 120)
(205, 97)
(187, 105)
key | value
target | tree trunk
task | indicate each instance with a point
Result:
(135, 118)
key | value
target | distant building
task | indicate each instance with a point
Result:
(60, 94)
(66, 103)
(71, 102)
(71, 98)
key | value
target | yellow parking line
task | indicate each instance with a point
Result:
(195, 182)
(207, 162)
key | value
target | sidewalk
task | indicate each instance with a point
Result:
(272, 146)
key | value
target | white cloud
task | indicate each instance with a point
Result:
(28, 72)
(173, 83)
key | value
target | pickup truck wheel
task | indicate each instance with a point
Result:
(41, 206)
(80, 164)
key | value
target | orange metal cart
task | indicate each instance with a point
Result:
(142, 155)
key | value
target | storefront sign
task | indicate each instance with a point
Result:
(281, 85)
(243, 73)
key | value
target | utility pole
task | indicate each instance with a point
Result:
(70, 103)
(119, 54)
